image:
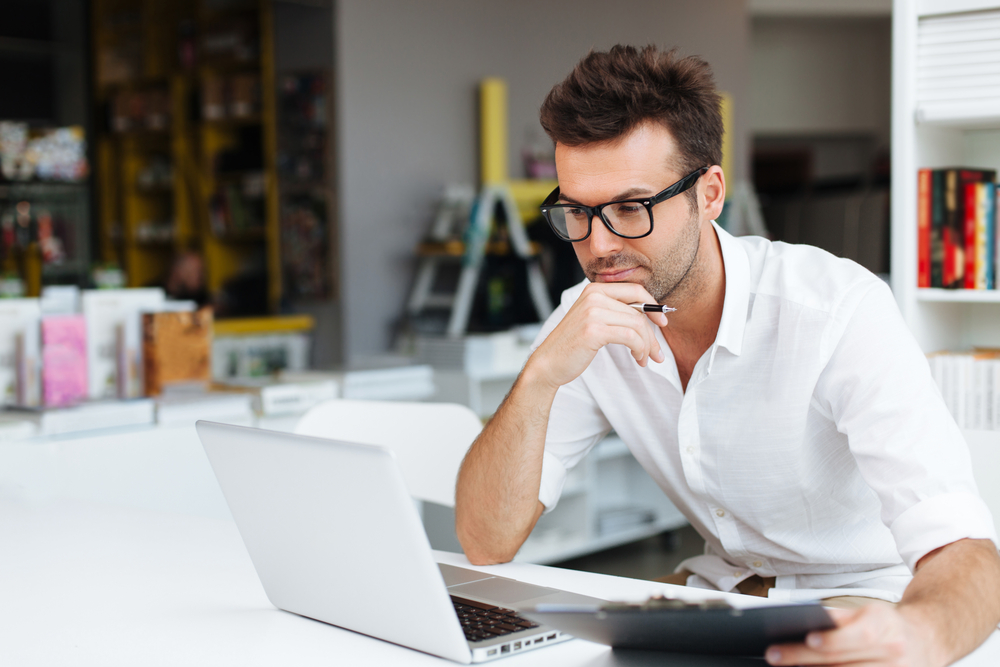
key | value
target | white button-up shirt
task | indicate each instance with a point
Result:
(811, 444)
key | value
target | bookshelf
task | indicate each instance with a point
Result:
(186, 154)
(938, 125)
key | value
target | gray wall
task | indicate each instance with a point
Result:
(407, 76)
(821, 76)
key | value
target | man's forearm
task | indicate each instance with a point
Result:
(955, 597)
(496, 497)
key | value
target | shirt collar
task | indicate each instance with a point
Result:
(736, 265)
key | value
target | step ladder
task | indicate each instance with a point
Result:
(463, 215)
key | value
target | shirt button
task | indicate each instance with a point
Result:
(757, 563)
(720, 513)
(737, 574)
(690, 449)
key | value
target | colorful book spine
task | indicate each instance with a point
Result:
(937, 228)
(950, 232)
(958, 246)
(924, 177)
(955, 219)
(982, 190)
(970, 214)
(64, 360)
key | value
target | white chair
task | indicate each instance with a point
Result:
(428, 439)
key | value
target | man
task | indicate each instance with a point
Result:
(784, 407)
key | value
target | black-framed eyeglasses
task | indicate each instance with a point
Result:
(628, 218)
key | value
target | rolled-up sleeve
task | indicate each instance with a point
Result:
(879, 390)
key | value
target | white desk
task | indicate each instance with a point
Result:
(88, 584)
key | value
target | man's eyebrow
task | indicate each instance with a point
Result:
(631, 193)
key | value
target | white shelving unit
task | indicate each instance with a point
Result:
(945, 122)
(942, 122)
(609, 479)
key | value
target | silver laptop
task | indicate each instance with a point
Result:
(334, 536)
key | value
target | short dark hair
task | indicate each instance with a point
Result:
(609, 94)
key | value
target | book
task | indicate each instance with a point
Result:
(64, 360)
(970, 213)
(281, 396)
(411, 382)
(989, 240)
(984, 194)
(14, 428)
(60, 300)
(977, 221)
(187, 408)
(937, 228)
(924, 177)
(953, 231)
(114, 341)
(20, 360)
(87, 416)
(176, 347)
(969, 382)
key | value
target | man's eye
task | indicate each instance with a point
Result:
(576, 212)
(625, 210)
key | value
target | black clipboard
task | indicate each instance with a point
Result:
(712, 627)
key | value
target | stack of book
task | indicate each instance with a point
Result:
(479, 355)
(970, 385)
(387, 378)
(73, 360)
(280, 395)
(956, 228)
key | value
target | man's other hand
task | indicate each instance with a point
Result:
(600, 316)
(873, 635)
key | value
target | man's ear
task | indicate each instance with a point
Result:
(712, 192)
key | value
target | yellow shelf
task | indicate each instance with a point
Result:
(248, 326)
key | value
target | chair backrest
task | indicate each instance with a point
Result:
(428, 439)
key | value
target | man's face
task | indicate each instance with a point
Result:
(638, 165)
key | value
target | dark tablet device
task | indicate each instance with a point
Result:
(710, 627)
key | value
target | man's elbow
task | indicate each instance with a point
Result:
(481, 551)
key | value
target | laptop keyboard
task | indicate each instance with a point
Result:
(481, 621)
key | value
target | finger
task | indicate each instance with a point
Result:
(599, 307)
(867, 626)
(800, 654)
(659, 319)
(630, 338)
(862, 635)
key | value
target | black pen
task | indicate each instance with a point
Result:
(653, 308)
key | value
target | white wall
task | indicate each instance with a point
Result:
(820, 75)
(407, 76)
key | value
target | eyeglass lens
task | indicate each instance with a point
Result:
(626, 218)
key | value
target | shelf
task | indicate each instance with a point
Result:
(247, 326)
(934, 7)
(939, 295)
(967, 116)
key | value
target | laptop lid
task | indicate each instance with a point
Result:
(334, 536)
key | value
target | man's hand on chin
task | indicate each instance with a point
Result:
(874, 635)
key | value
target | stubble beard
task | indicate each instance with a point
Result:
(673, 276)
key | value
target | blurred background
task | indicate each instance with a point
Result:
(274, 157)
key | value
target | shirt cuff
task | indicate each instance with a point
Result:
(941, 520)
(553, 479)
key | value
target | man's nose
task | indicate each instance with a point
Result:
(602, 241)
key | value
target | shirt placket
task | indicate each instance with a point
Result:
(692, 461)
